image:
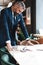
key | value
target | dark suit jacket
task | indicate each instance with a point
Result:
(7, 29)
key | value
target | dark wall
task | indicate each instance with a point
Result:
(32, 4)
(28, 3)
(33, 16)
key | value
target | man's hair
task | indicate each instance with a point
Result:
(20, 3)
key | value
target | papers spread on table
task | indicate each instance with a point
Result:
(22, 48)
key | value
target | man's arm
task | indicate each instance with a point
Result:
(23, 27)
(27, 38)
(6, 29)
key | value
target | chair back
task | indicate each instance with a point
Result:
(5, 60)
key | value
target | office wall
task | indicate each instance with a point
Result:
(39, 15)
(4, 2)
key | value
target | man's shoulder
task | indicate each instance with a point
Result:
(5, 10)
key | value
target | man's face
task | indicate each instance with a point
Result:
(19, 10)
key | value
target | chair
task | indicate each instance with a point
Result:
(5, 60)
(3, 51)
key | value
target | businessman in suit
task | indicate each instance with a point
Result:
(10, 19)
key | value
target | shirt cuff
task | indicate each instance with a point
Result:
(8, 41)
(28, 38)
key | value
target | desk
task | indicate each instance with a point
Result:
(33, 55)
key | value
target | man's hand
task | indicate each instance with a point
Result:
(9, 47)
(34, 41)
(26, 42)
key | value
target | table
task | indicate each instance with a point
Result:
(28, 55)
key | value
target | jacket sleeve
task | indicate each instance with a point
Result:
(6, 28)
(23, 27)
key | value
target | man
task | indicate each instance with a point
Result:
(10, 18)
